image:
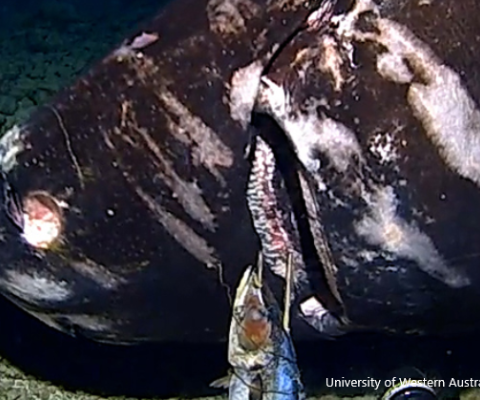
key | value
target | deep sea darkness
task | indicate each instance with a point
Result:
(64, 37)
(171, 370)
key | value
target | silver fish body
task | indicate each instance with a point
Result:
(261, 351)
(283, 377)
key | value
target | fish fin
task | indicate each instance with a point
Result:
(222, 383)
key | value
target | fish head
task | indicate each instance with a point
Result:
(250, 314)
(254, 317)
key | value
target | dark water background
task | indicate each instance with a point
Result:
(37, 28)
(184, 370)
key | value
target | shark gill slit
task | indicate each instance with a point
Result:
(273, 153)
(263, 207)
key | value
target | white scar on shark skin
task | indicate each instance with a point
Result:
(229, 17)
(384, 146)
(243, 92)
(308, 132)
(393, 67)
(90, 322)
(441, 103)
(444, 107)
(10, 146)
(34, 287)
(385, 228)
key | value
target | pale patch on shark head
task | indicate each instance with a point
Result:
(385, 147)
(451, 120)
(229, 17)
(440, 101)
(383, 227)
(393, 67)
(11, 145)
(243, 92)
(35, 287)
(309, 133)
(90, 322)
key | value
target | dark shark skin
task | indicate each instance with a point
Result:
(384, 116)
(145, 167)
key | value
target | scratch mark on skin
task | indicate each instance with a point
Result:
(384, 147)
(185, 236)
(450, 117)
(331, 62)
(207, 147)
(97, 273)
(228, 17)
(243, 92)
(383, 227)
(84, 321)
(13, 206)
(69, 147)
(106, 139)
(126, 105)
(442, 104)
(89, 322)
(10, 146)
(223, 284)
(285, 4)
(180, 132)
(308, 132)
(321, 16)
(451, 120)
(392, 66)
(346, 22)
(189, 195)
(34, 287)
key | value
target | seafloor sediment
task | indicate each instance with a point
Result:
(15, 384)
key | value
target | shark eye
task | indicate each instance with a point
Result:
(43, 221)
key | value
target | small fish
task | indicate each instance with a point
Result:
(260, 349)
